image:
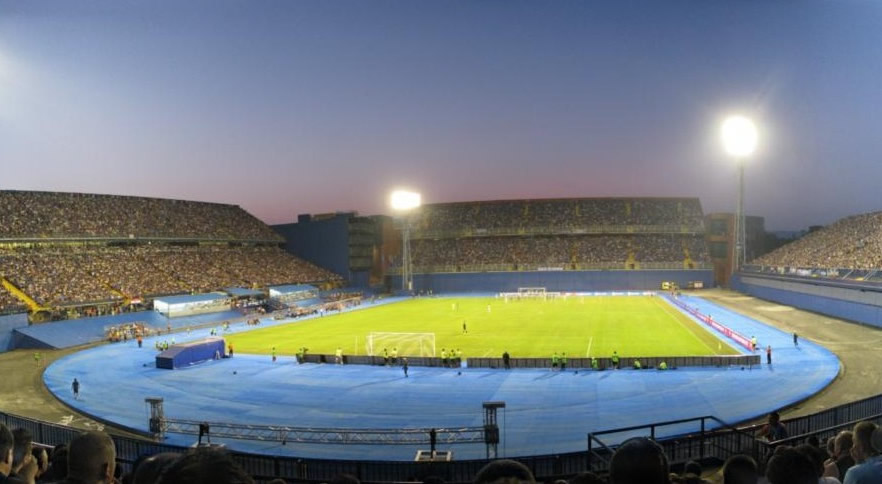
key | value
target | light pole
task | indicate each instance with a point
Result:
(404, 202)
(739, 139)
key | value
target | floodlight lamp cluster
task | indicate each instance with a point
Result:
(739, 136)
(404, 200)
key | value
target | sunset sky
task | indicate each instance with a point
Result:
(295, 106)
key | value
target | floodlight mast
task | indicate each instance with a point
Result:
(739, 139)
(405, 202)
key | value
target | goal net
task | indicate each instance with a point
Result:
(529, 293)
(408, 344)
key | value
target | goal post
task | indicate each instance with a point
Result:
(408, 344)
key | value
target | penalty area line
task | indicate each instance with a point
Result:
(588, 353)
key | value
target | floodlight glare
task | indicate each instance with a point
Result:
(739, 136)
(404, 200)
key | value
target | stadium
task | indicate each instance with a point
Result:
(545, 330)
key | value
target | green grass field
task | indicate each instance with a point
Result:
(579, 326)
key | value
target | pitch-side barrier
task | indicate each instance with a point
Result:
(649, 362)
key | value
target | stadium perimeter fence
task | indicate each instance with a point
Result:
(700, 444)
(574, 363)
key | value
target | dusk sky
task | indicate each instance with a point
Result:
(288, 107)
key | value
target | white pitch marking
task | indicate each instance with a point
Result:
(589, 346)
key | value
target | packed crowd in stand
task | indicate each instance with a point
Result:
(558, 250)
(58, 276)
(8, 302)
(569, 214)
(852, 457)
(565, 233)
(60, 215)
(850, 243)
(50, 254)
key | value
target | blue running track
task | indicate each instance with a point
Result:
(547, 412)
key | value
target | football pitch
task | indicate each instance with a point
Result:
(579, 326)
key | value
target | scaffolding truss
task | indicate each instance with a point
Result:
(271, 433)
(487, 434)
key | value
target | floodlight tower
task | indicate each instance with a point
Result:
(405, 202)
(739, 139)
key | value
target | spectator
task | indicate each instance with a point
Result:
(586, 478)
(691, 473)
(41, 457)
(150, 468)
(505, 471)
(816, 455)
(205, 466)
(841, 459)
(57, 464)
(787, 466)
(23, 446)
(868, 462)
(639, 461)
(91, 459)
(740, 469)
(774, 430)
(24, 466)
(7, 443)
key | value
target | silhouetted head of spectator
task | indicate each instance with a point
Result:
(92, 458)
(7, 442)
(740, 469)
(149, 470)
(505, 471)
(831, 446)
(774, 418)
(813, 441)
(205, 466)
(863, 445)
(587, 478)
(24, 441)
(843, 444)
(787, 466)
(345, 479)
(816, 455)
(57, 464)
(639, 461)
(693, 468)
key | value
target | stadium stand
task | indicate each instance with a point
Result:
(567, 234)
(65, 249)
(850, 243)
(559, 216)
(42, 215)
(559, 251)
